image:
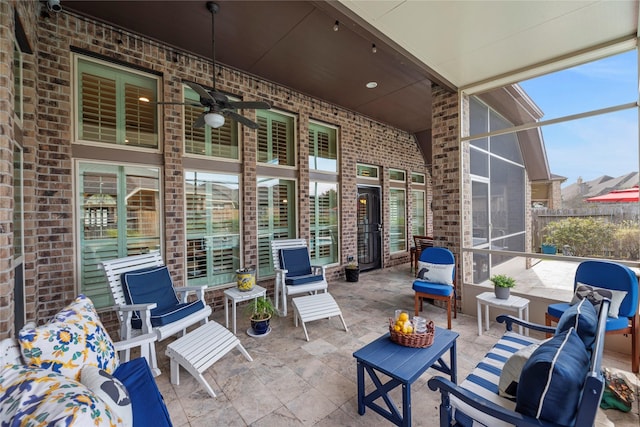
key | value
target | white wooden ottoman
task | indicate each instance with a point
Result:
(201, 348)
(315, 307)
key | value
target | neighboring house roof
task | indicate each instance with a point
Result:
(599, 186)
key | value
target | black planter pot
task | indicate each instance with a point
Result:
(260, 327)
(352, 274)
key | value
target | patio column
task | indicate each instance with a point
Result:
(446, 174)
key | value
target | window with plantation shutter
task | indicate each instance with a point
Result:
(207, 141)
(397, 220)
(323, 209)
(119, 215)
(109, 105)
(323, 151)
(418, 218)
(276, 217)
(275, 138)
(213, 227)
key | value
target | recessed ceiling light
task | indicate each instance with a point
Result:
(372, 85)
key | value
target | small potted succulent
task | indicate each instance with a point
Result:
(502, 285)
(260, 312)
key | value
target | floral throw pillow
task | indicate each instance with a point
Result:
(33, 397)
(73, 338)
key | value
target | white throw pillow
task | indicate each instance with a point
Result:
(510, 375)
(110, 390)
(595, 296)
(435, 273)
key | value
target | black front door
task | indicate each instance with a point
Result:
(369, 228)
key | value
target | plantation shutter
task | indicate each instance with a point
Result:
(140, 117)
(194, 138)
(98, 109)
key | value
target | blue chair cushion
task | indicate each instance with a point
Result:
(296, 261)
(432, 288)
(146, 401)
(301, 280)
(155, 285)
(583, 317)
(551, 381)
(171, 314)
(612, 324)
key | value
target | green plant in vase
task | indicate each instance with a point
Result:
(502, 285)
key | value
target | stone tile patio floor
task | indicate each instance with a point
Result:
(292, 382)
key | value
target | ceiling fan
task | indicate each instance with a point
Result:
(218, 105)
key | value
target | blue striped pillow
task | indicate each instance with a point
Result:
(584, 318)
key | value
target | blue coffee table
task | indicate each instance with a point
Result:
(404, 365)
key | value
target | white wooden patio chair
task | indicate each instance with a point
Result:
(154, 313)
(294, 272)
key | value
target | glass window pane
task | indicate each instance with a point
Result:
(397, 220)
(17, 201)
(110, 109)
(119, 215)
(17, 81)
(397, 175)
(418, 218)
(366, 171)
(323, 151)
(275, 139)
(213, 227)
(417, 178)
(207, 141)
(323, 209)
(276, 218)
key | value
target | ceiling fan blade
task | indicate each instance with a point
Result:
(199, 122)
(200, 91)
(192, 104)
(241, 119)
(255, 105)
(219, 96)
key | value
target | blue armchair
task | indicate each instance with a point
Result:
(613, 277)
(436, 279)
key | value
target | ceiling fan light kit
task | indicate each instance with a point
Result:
(217, 105)
(214, 120)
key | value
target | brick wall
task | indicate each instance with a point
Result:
(446, 178)
(51, 259)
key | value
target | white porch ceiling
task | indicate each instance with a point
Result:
(467, 42)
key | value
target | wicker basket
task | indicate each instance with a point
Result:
(421, 340)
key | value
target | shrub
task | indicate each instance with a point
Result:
(586, 236)
(627, 240)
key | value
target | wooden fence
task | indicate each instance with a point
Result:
(614, 214)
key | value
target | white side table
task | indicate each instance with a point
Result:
(236, 296)
(514, 303)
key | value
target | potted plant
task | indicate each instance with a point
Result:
(502, 285)
(548, 247)
(260, 313)
(352, 270)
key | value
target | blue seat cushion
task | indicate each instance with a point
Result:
(154, 285)
(551, 381)
(583, 317)
(296, 261)
(146, 401)
(432, 288)
(301, 280)
(171, 314)
(556, 311)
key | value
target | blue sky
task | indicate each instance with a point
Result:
(596, 146)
